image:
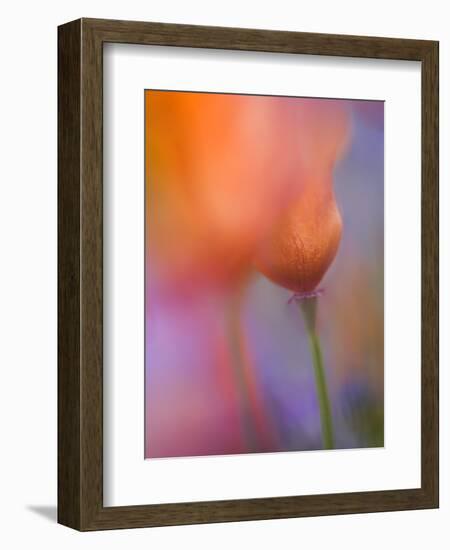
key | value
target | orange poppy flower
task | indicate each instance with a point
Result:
(231, 176)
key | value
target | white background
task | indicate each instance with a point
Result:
(128, 70)
(28, 275)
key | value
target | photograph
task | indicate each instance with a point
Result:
(264, 273)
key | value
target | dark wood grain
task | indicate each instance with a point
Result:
(80, 265)
(430, 272)
(69, 244)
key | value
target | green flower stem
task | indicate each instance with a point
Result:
(238, 364)
(308, 308)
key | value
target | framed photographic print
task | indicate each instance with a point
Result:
(248, 274)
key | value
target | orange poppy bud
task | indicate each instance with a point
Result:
(303, 242)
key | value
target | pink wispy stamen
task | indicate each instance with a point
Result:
(299, 296)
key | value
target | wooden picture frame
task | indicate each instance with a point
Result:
(80, 272)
